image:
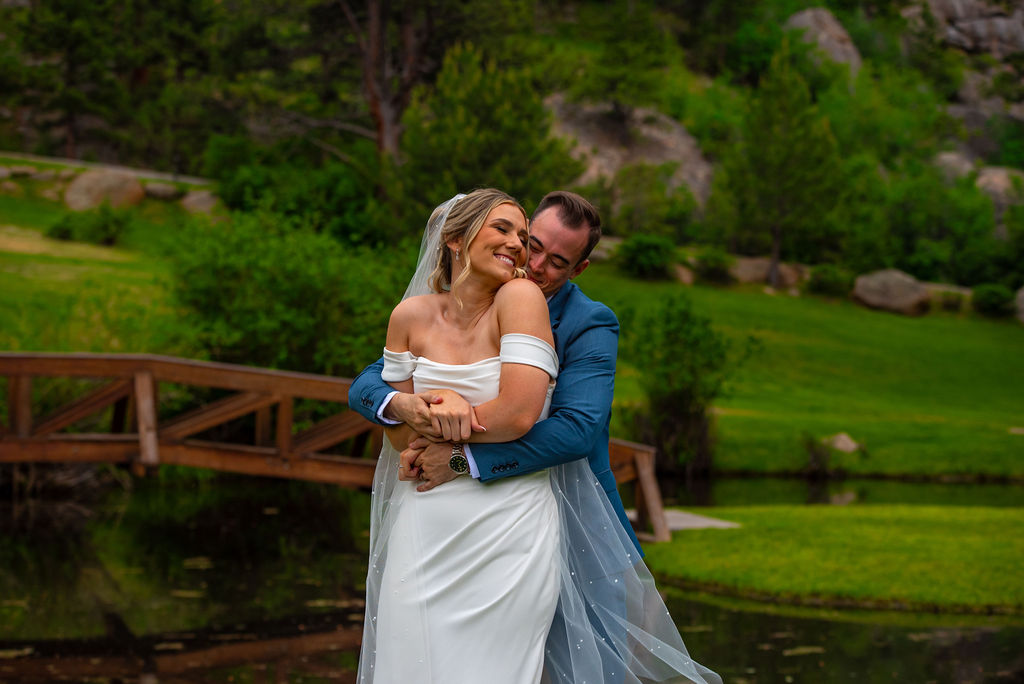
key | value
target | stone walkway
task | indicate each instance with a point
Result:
(681, 520)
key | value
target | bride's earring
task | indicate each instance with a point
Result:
(456, 253)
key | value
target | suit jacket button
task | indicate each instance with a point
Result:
(515, 464)
(494, 469)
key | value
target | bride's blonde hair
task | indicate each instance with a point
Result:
(465, 220)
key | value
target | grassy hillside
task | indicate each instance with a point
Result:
(932, 395)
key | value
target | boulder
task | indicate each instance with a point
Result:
(1005, 186)
(9, 187)
(824, 30)
(67, 174)
(44, 175)
(954, 164)
(606, 144)
(892, 290)
(93, 188)
(163, 191)
(841, 442)
(1020, 305)
(4, 172)
(684, 274)
(756, 269)
(199, 202)
(21, 171)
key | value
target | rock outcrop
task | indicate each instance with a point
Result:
(653, 138)
(1005, 186)
(93, 188)
(892, 290)
(978, 26)
(824, 30)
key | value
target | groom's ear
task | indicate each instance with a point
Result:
(580, 268)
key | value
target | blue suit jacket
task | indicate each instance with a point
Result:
(586, 341)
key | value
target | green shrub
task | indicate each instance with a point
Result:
(102, 226)
(647, 256)
(713, 265)
(267, 290)
(684, 363)
(647, 204)
(993, 299)
(830, 280)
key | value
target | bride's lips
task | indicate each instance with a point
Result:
(506, 259)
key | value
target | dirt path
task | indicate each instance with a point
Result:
(138, 173)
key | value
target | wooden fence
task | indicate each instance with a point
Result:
(142, 433)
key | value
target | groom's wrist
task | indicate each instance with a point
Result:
(474, 472)
(383, 410)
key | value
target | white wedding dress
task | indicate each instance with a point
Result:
(527, 579)
(469, 584)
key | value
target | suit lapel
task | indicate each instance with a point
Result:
(556, 309)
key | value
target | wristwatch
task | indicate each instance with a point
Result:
(458, 462)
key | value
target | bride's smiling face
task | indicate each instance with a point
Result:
(500, 246)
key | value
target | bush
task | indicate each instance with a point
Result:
(713, 265)
(684, 364)
(647, 204)
(993, 299)
(830, 280)
(102, 226)
(647, 256)
(267, 290)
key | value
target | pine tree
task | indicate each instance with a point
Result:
(784, 177)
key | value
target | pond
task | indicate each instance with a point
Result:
(252, 580)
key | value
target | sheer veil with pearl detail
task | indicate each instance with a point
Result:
(611, 624)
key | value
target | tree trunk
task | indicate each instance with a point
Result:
(773, 269)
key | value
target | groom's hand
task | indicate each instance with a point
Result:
(427, 461)
(414, 411)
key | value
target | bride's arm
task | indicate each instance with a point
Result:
(520, 308)
(401, 322)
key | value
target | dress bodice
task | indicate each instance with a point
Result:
(477, 382)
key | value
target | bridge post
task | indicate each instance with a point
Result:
(19, 404)
(145, 410)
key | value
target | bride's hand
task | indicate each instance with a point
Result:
(453, 418)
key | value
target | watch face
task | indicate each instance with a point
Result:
(459, 464)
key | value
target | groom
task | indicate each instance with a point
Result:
(564, 230)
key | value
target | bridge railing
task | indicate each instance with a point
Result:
(144, 437)
(129, 383)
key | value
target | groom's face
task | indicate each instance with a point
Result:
(555, 251)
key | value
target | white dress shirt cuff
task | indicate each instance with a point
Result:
(384, 405)
(468, 453)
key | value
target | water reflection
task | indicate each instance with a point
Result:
(258, 580)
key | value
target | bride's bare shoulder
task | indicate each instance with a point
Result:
(519, 291)
(415, 310)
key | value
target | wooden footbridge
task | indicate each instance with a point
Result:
(143, 429)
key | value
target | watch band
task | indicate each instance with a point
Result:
(458, 462)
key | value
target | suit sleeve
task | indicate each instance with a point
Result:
(368, 391)
(580, 407)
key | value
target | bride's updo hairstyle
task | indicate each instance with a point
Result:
(465, 219)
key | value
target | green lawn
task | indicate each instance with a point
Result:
(935, 395)
(944, 558)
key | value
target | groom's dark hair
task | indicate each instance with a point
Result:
(575, 212)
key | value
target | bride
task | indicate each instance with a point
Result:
(525, 579)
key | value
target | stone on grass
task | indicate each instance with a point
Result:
(756, 270)
(841, 442)
(892, 290)
(44, 175)
(684, 274)
(4, 172)
(97, 186)
(199, 202)
(9, 187)
(21, 171)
